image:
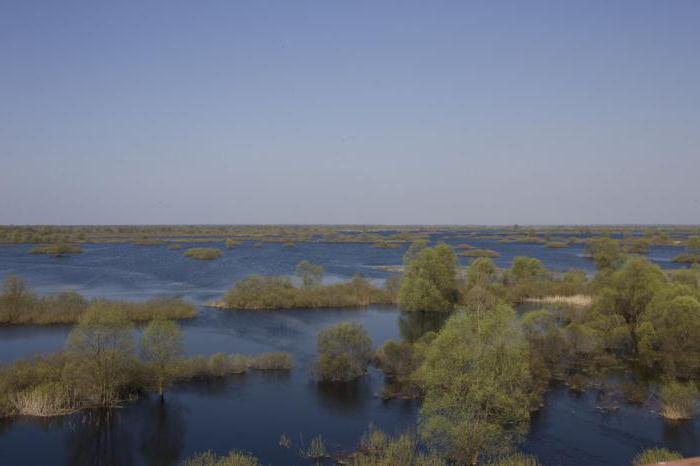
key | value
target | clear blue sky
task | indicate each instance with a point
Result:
(329, 111)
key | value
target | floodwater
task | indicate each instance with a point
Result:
(251, 411)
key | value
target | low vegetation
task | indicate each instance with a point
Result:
(19, 305)
(101, 367)
(233, 458)
(276, 292)
(655, 456)
(204, 254)
(57, 250)
(344, 352)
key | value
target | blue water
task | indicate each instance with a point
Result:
(251, 411)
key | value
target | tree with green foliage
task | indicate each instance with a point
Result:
(631, 288)
(15, 297)
(527, 268)
(309, 273)
(162, 348)
(477, 386)
(101, 348)
(481, 272)
(606, 253)
(344, 351)
(413, 250)
(668, 332)
(429, 282)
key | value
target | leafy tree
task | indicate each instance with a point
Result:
(631, 288)
(527, 268)
(669, 333)
(414, 249)
(477, 383)
(101, 348)
(344, 352)
(429, 283)
(15, 297)
(162, 348)
(310, 274)
(480, 272)
(606, 253)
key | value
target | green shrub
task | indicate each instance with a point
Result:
(234, 458)
(344, 352)
(678, 400)
(654, 456)
(203, 253)
(271, 361)
(57, 250)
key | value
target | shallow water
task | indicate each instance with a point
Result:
(251, 411)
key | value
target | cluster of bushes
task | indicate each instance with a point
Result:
(431, 281)
(57, 250)
(277, 292)
(19, 305)
(102, 366)
(203, 253)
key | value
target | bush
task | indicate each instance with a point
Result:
(654, 456)
(678, 400)
(344, 352)
(234, 458)
(203, 253)
(271, 292)
(57, 250)
(271, 361)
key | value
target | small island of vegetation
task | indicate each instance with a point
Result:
(204, 254)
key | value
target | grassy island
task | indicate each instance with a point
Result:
(57, 250)
(203, 254)
(19, 305)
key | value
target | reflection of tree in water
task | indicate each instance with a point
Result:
(346, 397)
(413, 325)
(99, 437)
(163, 433)
(106, 438)
(680, 436)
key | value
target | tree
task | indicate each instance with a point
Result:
(480, 272)
(15, 297)
(606, 253)
(344, 352)
(631, 288)
(527, 268)
(310, 274)
(414, 249)
(162, 347)
(429, 283)
(669, 332)
(477, 386)
(101, 348)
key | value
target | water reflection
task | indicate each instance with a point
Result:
(152, 428)
(163, 434)
(99, 437)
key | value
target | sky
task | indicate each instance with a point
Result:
(366, 112)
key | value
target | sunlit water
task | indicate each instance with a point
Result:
(251, 411)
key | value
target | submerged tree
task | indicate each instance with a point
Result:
(429, 282)
(310, 274)
(477, 386)
(101, 348)
(344, 352)
(606, 253)
(162, 348)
